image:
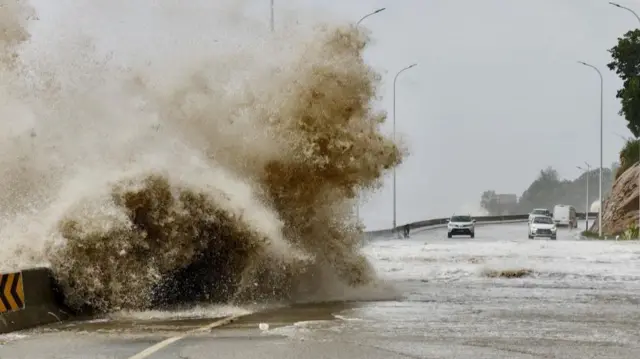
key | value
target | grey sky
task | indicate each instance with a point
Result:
(496, 97)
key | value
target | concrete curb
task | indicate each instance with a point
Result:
(41, 301)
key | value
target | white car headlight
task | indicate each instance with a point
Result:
(553, 229)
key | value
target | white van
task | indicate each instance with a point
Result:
(564, 215)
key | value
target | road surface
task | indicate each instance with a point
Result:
(576, 299)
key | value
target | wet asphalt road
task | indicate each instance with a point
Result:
(580, 299)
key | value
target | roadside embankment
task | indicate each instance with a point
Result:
(620, 213)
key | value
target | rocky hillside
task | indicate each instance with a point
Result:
(621, 208)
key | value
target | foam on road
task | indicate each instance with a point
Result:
(431, 256)
(576, 299)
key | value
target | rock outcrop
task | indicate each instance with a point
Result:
(621, 208)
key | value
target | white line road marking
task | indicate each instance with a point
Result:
(165, 343)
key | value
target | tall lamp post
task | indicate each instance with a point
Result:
(638, 139)
(358, 24)
(586, 211)
(271, 19)
(601, 127)
(395, 79)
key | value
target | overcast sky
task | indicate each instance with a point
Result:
(497, 95)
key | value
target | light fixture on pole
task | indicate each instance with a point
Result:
(395, 79)
(358, 24)
(601, 127)
(625, 8)
(369, 14)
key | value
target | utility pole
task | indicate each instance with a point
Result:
(358, 24)
(395, 79)
(271, 19)
(601, 149)
(586, 211)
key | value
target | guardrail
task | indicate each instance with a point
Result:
(435, 222)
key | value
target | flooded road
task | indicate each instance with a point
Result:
(499, 295)
(576, 299)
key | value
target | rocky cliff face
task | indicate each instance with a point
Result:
(621, 208)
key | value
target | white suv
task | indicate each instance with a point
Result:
(539, 212)
(542, 226)
(462, 225)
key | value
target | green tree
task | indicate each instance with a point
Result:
(489, 201)
(629, 155)
(626, 64)
(543, 192)
(548, 190)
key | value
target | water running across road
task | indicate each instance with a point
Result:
(576, 299)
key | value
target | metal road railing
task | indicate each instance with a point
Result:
(437, 222)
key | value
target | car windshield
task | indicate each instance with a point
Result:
(545, 220)
(460, 219)
(539, 211)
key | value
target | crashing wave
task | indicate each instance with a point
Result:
(143, 188)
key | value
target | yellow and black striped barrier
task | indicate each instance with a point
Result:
(11, 292)
(30, 298)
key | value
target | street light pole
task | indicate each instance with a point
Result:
(601, 128)
(586, 211)
(271, 19)
(358, 24)
(395, 79)
(637, 139)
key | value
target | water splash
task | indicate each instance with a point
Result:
(206, 177)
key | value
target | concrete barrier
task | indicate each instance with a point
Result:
(29, 298)
(441, 222)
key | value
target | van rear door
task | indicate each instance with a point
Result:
(561, 214)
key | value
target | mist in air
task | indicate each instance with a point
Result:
(496, 97)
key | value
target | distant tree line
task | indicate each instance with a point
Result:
(548, 189)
